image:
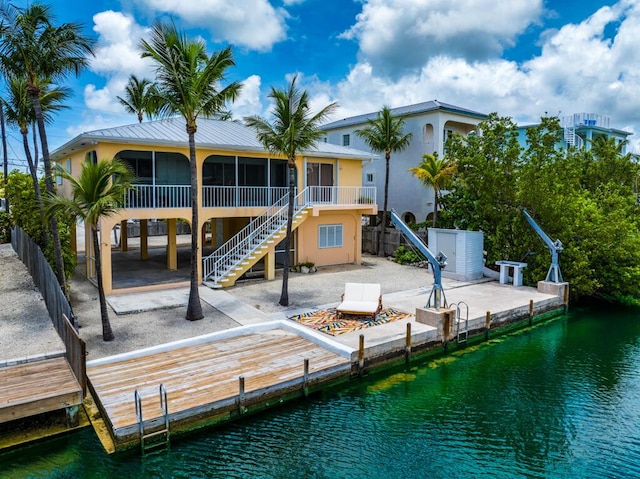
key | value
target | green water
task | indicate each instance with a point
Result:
(560, 400)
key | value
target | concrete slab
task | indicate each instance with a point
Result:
(233, 307)
(148, 301)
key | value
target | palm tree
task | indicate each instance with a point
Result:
(189, 84)
(19, 112)
(31, 46)
(294, 128)
(98, 192)
(140, 98)
(5, 162)
(436, 173)
(385, 134)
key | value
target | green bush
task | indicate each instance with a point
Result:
(5, 227)
(405, 256)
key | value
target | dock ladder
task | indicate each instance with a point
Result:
(462, 331)
(155, 435)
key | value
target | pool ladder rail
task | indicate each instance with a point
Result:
(462, 331)
(155, 436)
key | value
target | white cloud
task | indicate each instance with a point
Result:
(253, 24)
(248, 102)
(117, 56)
(396, 36)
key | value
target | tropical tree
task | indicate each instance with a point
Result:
(33, 47)
(98, 192)
(5, 162)
(20, 113)
(140, 97)
(436, 173)
(293, 128)
(385, 134)
(188, 83)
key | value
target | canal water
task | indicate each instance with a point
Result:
(561, 400)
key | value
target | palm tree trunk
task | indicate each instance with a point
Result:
(107, 332)
(5, 158)
(35, 145)
(194, 308)
(34, 178)
(48, 178)
(284, 295)
(435, 206)
(384, 208)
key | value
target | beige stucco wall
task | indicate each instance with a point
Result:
(350, 252)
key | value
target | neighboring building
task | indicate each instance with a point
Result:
(430, 123)
(580, 130)
(242, 196)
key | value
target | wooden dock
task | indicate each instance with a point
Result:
(203, 380)
(37, 387)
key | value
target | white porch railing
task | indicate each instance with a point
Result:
(179, 196)
(158, 196)
(340, 195)
(232, 196)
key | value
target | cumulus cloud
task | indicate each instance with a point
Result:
(248, 102)
(396, 36)
(117, 56)
(253, 24)
(582, 67)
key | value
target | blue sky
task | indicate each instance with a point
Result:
(521, 58)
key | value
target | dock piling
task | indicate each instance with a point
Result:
(305, 378)
(487, 325)
(361, 355)
(241, 406)
(530, 311)
(407, 346)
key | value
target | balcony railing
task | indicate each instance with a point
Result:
(234, 196)
(179, 196)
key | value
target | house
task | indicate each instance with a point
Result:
(430, 124)
(580, 130)
(242, 198)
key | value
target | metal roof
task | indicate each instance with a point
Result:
(211, 134)
(405, 111)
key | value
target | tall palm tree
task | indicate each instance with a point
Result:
(385, 134)
(33, 47)
(189, 84)
(436, 173)
(140, 98)
(294, 128)
(98, 192)
(20, 113)
(5, 161)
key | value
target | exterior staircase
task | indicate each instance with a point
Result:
(571, 138)
(231, 260)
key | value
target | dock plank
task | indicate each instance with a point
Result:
(203, 374)
(36, 387)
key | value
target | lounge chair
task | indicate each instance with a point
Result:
(361, 298)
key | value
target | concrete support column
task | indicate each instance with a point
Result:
(124, 236)
(105, 256)
(144, 240)
(172, 245)
(270, 263)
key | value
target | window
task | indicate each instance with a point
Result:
(369, 178)
(346, 140)
(69, 165)
(330, 236)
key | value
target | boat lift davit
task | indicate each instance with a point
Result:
(554, 275)
(438, 262)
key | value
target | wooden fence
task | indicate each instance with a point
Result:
(59, 308)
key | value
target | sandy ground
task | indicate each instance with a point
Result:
(26, 328)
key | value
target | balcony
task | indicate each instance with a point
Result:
(179, 196)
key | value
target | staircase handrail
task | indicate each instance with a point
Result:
(253, 230)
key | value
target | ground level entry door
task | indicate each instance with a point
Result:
(320, 178)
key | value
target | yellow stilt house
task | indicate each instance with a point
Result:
(243, 201)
